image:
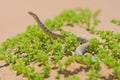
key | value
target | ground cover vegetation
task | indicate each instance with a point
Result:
(34, 46)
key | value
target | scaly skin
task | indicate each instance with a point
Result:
(80, 50)
(44, 28)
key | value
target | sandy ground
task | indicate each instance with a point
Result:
(14, 19)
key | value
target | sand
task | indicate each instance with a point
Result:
(14, 19)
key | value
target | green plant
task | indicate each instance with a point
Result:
(73, 77)
(56, 59)
(57, 76)
(46, 69)
(93, 75)
(28, 71)
(60, 67)
(36, 76)
(87, 17)
(68, 61)
(93, 45)
(114, 21)
(70, 42)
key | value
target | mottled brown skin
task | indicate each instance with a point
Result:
(44, 28)
(79, 50)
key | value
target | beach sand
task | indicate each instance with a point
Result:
(14, 19)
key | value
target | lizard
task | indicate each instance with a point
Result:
(80, 50)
